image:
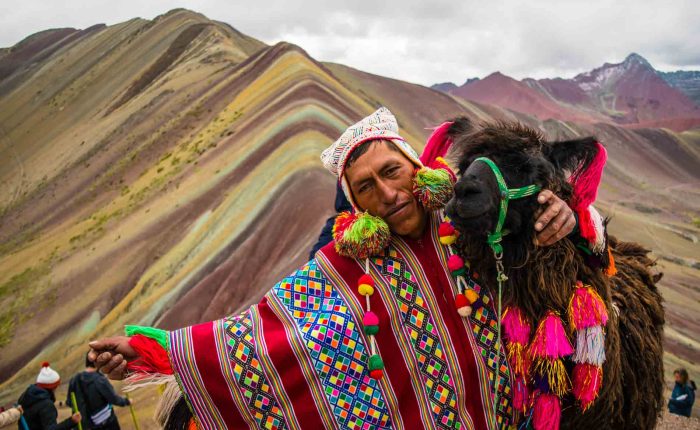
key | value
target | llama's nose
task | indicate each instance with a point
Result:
(466, 188)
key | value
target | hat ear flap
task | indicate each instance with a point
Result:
(434, 187)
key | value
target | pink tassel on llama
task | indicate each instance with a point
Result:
(586, 308)
(549, 345)
(516, 329)
(547, 413)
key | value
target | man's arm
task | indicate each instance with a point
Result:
(48, 416)
(10, 416)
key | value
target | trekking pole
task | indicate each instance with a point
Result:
(133, 414)
(75, 409)
(22, 421)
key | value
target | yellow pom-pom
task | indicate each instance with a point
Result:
(471, 296)
(365, 290)
(448, 240)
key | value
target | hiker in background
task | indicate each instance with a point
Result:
(95, 397)
(10, 416)
(38, 403)
(683, 395)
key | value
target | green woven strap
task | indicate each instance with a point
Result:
(159, 335)
(494, 238)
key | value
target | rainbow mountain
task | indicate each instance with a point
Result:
(166, 172)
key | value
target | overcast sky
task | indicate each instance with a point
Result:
(422, 41)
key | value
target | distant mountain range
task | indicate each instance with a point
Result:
(688, 81)
(631, 93)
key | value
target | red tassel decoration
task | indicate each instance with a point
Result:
(585, 181)
(437, 144)
(152, 357)
(520, 393)
(547, 413)
(587, 380)
(462, 305)
(588, 315)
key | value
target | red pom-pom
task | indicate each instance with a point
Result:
(366, 279)
(586, 382)
(376, 374)
(455, 262)
(152, 357)
(446, 229)
(547, 413)
(342, 222)
(45, 364)
(461, 301)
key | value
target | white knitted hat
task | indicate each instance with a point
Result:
(379, 125)
(48, 376)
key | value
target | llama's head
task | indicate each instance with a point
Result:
(524, 158)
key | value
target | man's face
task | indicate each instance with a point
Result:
(381, 181)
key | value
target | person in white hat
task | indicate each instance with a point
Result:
(366, 335)
(38, 401)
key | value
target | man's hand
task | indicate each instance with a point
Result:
(111, 356)
(76, 417)
(556, 220)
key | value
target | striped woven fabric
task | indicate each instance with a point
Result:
(297, 360)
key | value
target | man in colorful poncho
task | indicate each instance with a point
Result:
(364, 336)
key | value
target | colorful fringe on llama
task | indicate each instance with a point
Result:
(548, 348)
(516, 329)
(540, 378)
(588, 316)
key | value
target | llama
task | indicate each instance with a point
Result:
(543, 282)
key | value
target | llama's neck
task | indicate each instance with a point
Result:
(539, 278)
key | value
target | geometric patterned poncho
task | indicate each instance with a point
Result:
(298, 358)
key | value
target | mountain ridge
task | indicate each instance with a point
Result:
(195, 195)
(631, 93)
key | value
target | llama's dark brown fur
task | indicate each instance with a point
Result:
(543, 278)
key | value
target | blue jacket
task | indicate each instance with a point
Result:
(685, 405)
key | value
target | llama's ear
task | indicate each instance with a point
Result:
(571, 155)
(584, 159)
(461, 127)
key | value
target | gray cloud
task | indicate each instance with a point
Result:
(419, 41)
